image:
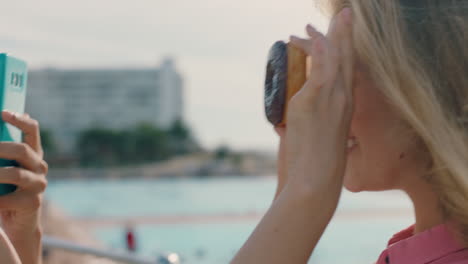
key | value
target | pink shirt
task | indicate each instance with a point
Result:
(435, 246)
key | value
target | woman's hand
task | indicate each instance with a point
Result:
(319, 115)
(20, 210)
(319, 118)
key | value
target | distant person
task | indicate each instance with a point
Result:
(130, 238)
(385, 108)
(21, 231)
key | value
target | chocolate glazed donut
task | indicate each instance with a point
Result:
(285, 76)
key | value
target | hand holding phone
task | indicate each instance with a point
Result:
(13, 82)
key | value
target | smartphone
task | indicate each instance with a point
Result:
(13, 82)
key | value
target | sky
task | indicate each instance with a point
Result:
(220, 48)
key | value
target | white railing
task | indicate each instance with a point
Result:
(55, 243)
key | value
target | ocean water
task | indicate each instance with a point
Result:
(357, 234)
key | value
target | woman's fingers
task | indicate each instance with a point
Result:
(333, 30)
(318, 44)
(331, 70)
(29, 126)
(303, 44)
(24, 155)
(347, 51)
(316, 48)
(307, 45)
(312, 32)
(334, 56)
(21, 200)
(28, 196)
(24, 179)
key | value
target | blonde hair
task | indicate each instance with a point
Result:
(418, 52)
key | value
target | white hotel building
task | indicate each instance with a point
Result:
(67, 102)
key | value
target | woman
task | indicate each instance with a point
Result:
(21, 232)
(386, 107)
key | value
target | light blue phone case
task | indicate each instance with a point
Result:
(13, 82)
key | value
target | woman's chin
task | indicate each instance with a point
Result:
(351, 184)
(353, 188)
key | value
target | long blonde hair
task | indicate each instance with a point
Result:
(418, 52)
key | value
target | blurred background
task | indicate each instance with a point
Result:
(152, 121)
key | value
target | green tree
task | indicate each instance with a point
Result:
(144, 143)
(151, 143)
(179, 130)
(222, 152)
(126, 147)
(98, 147)
(48, 142)
(181, 139)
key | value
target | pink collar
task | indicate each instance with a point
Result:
(425, 247)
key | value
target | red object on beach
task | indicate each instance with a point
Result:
(131, 243)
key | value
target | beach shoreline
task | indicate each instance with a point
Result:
(199, 165)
